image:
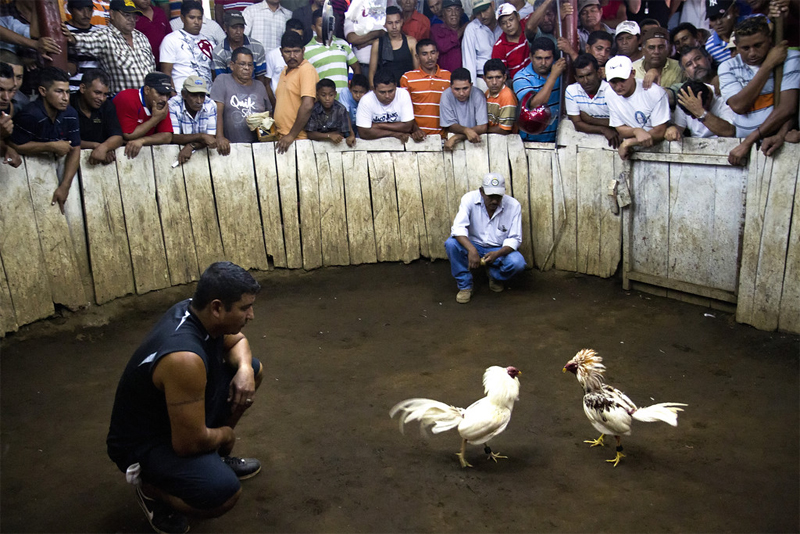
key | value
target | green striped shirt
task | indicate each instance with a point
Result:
(331, 61)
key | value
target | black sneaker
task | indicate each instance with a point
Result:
(161, 517)
(243, 467)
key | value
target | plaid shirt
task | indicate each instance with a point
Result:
(127, 66)
(320, 121)
(264, 25)
(183, 123)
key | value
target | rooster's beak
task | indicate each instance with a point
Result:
(564, 370)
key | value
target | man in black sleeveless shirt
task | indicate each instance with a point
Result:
(179, 399)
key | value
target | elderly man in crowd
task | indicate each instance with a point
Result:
(641, 116)
(425, 85)
(487, 231)
(194, 118)
(462, 110)
(480, 36)
(448, 35)
(237, 96)
(585, 100)
(747, 84)
(656, 66)
(185, 52)
(590, 19)
(143, 113)
(49, 125)
(123, 52)
(415, 24)
(97, 116)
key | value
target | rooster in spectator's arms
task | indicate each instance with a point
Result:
(483, 420)
(609, 409)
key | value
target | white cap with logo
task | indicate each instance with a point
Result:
(494, 184)
(618, 67)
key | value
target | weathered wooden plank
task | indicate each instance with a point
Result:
(269, 199)
(498, 153)
(519, 189)
(73, 211)
(8, 322)
(26, 272)
(758, 178)
(431, 143)
(109, 252)
(774, 242)
(729, 206)
(438, 219)
(308, 192)
(610, 224)
(720, 146)
(137, 186)
(685, 287)
(650, 224)
(237, 207)
(413, 234)
(461, 182)
(202, 210)
(565, 189)
(61, 262)
(360, 229)
(333, 214)
(386, 144)
(540, 173)
(176, 223)
(689, 159)
(477, 155)
(384, 207)
(568, 136)
(595, 168)
(287, 183)
(789, 316)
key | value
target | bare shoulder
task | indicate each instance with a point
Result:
(179, 367)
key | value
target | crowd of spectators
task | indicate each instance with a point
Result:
(143, 72)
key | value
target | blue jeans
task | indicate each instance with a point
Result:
(503, 268)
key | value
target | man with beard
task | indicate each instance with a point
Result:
(143, 114)
(447, 35)
(238, 96)
(628, 39)
(194, 118)
(698, 66)
(296, 93)
(701, 112)
(49, 125)
(97, 116)
(425, 85)
(540, 84)
(747, 85)
(585, 100)
(722, 18)
(641, 116)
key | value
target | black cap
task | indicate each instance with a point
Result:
(232, 18)
(717, 8)
(159, 81)
(78, 4)
(126, 6)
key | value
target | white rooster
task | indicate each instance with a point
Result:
(480, 422)
(609, 409)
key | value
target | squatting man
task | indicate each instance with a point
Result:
(487, 231)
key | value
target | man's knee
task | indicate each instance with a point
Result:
(516, 262)
(217, 495)
(225, 507)
(452, 246)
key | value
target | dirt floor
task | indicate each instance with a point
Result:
(342, 345)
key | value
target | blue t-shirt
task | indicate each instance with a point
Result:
(527, 81)
(34, 124)
(346, 99)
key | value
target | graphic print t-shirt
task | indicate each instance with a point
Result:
(240, 101)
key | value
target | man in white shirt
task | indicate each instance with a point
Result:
(640, 115)
(585, 100)
(487, 231)
(478, 41)
(265, 22)
(387, 111)
(185, 52)
(701, 112)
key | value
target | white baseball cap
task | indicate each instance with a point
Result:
(628, 26)
(505, 9)
(618, 67)
(494, 183)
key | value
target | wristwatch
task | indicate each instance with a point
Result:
(702, 118)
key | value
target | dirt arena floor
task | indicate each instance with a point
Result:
(343, 345)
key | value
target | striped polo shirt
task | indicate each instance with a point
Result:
(527, 81)
(331, 61)
(502, 109)
(426, 91)
(515, 56)
(576, 100)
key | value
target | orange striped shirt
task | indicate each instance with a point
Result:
(426, 90)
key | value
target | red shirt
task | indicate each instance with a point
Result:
(132, 112)
(155, 30)
(515, 56)
(418, 27)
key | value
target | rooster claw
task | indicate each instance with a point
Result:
(463, 461)
(494, 456)
(596, 442)
(616, 459)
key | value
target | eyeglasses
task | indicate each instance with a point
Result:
(244, 65)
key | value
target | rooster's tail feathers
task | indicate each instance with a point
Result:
(441, 416)
(666, 412)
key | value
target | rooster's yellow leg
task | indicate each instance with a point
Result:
(463, 461)
(596, 442)
(492, 455)
(619, 455)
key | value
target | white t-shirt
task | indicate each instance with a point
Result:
(363, 53)
(189, 55)
(576, 100)
(371, 110)
(697, 128)
(210, 30)
(644, 109)
(275, 65)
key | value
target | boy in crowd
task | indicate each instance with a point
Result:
(352, 95)
(585, 100)
(462, 110)
(329, 120)
(49, 125)
(501, 104)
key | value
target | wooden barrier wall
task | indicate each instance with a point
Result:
(141, 225)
